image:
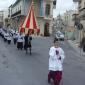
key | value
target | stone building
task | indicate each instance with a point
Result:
(43, 12)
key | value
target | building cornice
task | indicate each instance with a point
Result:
(16, 3)
(82, 9)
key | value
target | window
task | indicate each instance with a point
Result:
(16, 9)
(20, 7)
(47, 11)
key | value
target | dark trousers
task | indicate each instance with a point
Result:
(9, 41)
(15, 40)
(20, 45)
(56, 76)
(27, 46)
(29, 50)
(5, 39)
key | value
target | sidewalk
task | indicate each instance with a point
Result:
(75, 44)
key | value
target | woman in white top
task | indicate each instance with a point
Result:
(56, 54)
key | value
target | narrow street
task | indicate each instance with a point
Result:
(19, 68)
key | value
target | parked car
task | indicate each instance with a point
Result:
(59, 36)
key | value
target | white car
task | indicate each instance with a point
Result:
(59, 36)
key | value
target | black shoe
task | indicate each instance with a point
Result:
(48, 80)
(26, 52)
(30, 53)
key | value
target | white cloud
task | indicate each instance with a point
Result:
(62, 6)
(5, 3)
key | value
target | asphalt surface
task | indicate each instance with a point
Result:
(19, 68)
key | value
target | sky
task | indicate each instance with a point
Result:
(61, 7)
(5, 3)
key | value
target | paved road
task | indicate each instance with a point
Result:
(18, 68)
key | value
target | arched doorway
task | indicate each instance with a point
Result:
(46, 29)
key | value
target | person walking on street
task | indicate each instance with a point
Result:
(82, 44)
(27, 43)
(56, 58)
(20, 41)
(9, 38)
(14, 38)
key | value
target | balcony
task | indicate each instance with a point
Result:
(75, 16)
(79, 7)
(16, 14)
(82, 13)
(49, 17)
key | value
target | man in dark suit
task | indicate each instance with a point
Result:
(27, 43)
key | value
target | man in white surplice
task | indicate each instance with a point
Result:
(56, 58)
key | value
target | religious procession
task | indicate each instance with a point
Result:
(22, 38)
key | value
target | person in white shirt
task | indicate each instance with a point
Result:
(56, 58)
(9, 38)
(20, 42)
(5, 36)
(14, 38)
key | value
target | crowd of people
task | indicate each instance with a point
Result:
(20, 40)
(56, 53)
